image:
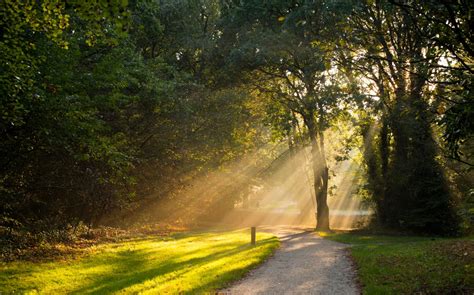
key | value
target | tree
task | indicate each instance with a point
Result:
(104, 122)
(287, 47)
(448, 25)
(401, 65)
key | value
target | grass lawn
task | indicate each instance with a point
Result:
(411, 265)
(189, 263)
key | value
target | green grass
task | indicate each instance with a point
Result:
(184, 263)
(411, 265)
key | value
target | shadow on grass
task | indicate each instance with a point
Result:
(138, 266)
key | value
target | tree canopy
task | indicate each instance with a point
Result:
(108, 106)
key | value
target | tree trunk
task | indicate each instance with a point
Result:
(384, 151)
(322, 214)
(321, 175)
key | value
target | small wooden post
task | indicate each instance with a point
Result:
(252, 234)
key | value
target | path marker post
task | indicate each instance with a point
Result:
(253, 231)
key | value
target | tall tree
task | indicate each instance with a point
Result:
(287, 47)
(402, 65)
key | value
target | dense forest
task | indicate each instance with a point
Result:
(110, 108)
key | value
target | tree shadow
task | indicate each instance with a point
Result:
(295, 236)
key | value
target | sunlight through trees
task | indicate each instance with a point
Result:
(207, 112)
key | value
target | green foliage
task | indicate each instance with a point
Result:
(449, 24)
(110, 105)
(457, 121)
(94, 121)
(285, 51)
(53, 144)
(404, 66)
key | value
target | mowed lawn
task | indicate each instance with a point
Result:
(188, 263)
(411, 265)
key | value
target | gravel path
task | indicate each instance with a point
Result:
(305, 264)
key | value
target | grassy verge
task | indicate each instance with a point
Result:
(411, 265)
(183, 263)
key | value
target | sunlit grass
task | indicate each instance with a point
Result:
(186, 263)
(410, 264)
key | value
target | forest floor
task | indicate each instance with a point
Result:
(178, 263)
(410, 264)
(304, 264)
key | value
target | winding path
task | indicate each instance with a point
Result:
(305, 264)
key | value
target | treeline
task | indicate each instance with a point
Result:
(399, 71)
(418, 55)
(106, 106)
